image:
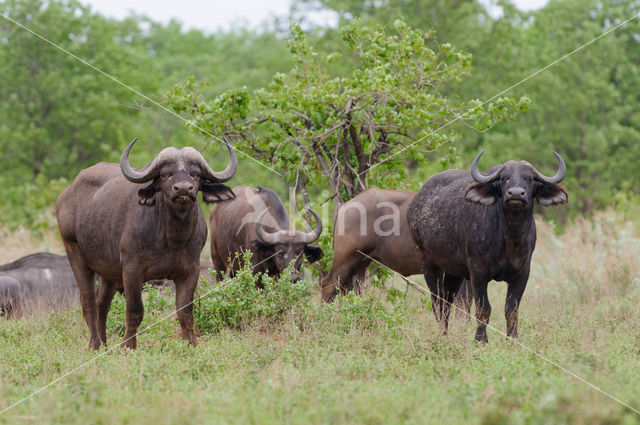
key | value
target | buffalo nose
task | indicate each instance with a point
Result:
(516, 191)
(182, 187)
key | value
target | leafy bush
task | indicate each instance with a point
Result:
(239, 302)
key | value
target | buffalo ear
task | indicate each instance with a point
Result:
(147, 194)
(482, 193)
(551, 194)
(261, 249)
(215, 192)
(313, 253)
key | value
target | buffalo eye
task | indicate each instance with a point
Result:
(195, 175)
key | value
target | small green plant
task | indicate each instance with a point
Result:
(352, 311)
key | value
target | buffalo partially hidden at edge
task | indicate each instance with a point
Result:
(257, 220)
(375, 223)
(130, 233)
(36, 280)
(481, 227)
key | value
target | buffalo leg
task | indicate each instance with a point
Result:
(342, 274)
(451, 285)
(463, 301)
(134, 311)
(514, 295)
(219, 267)
(358, 277)
(483, 307)
(87, 288)
(184, 307)
(434, 277)
(105, 295)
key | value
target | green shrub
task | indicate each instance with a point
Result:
(238, 302)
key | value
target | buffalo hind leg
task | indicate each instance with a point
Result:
(514, 295)
(483, 307)
(87, 288)
(451, 285)
(106, 291)
(434, 276)
(184, 306)
(463, 301)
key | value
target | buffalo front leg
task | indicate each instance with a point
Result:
(134, 311)
(483, 307)
(514, 295)
(184, 307)
(87, 288)
(105, 295)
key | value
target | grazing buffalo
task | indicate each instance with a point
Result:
(480, 227)
(373, 225)
(129, 232)
(37, 280)
(256, 220)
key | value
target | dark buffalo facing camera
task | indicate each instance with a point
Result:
(480, 227)
(257, 220)
(135, 225)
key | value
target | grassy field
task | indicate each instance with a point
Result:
(377, 361)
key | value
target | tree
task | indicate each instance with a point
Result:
(57, 114)
(349, 131)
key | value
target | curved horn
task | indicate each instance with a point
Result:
(562, 171)
(224, 175)
(263, 235)
(315, 233)
(479, 177)
(141, 175)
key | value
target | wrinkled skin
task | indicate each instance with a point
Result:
(130, 233)
(466, 229)
(233, 230)
(365, 224)
(37, 280)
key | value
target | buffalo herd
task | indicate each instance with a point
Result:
(126, 226)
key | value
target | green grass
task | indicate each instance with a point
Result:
(371, 361)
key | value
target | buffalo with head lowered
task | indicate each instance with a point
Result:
(135, 225)
(256, 220)
(469, 225)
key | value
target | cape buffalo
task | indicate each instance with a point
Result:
(129, 233)
(37, 280)
(374, 225)
(258, 221)
(480, 227)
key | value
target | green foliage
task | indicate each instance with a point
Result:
(350, 311)
(238, 302)
(360, 361)
(328, 131)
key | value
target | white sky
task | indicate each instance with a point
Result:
(220, 14)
